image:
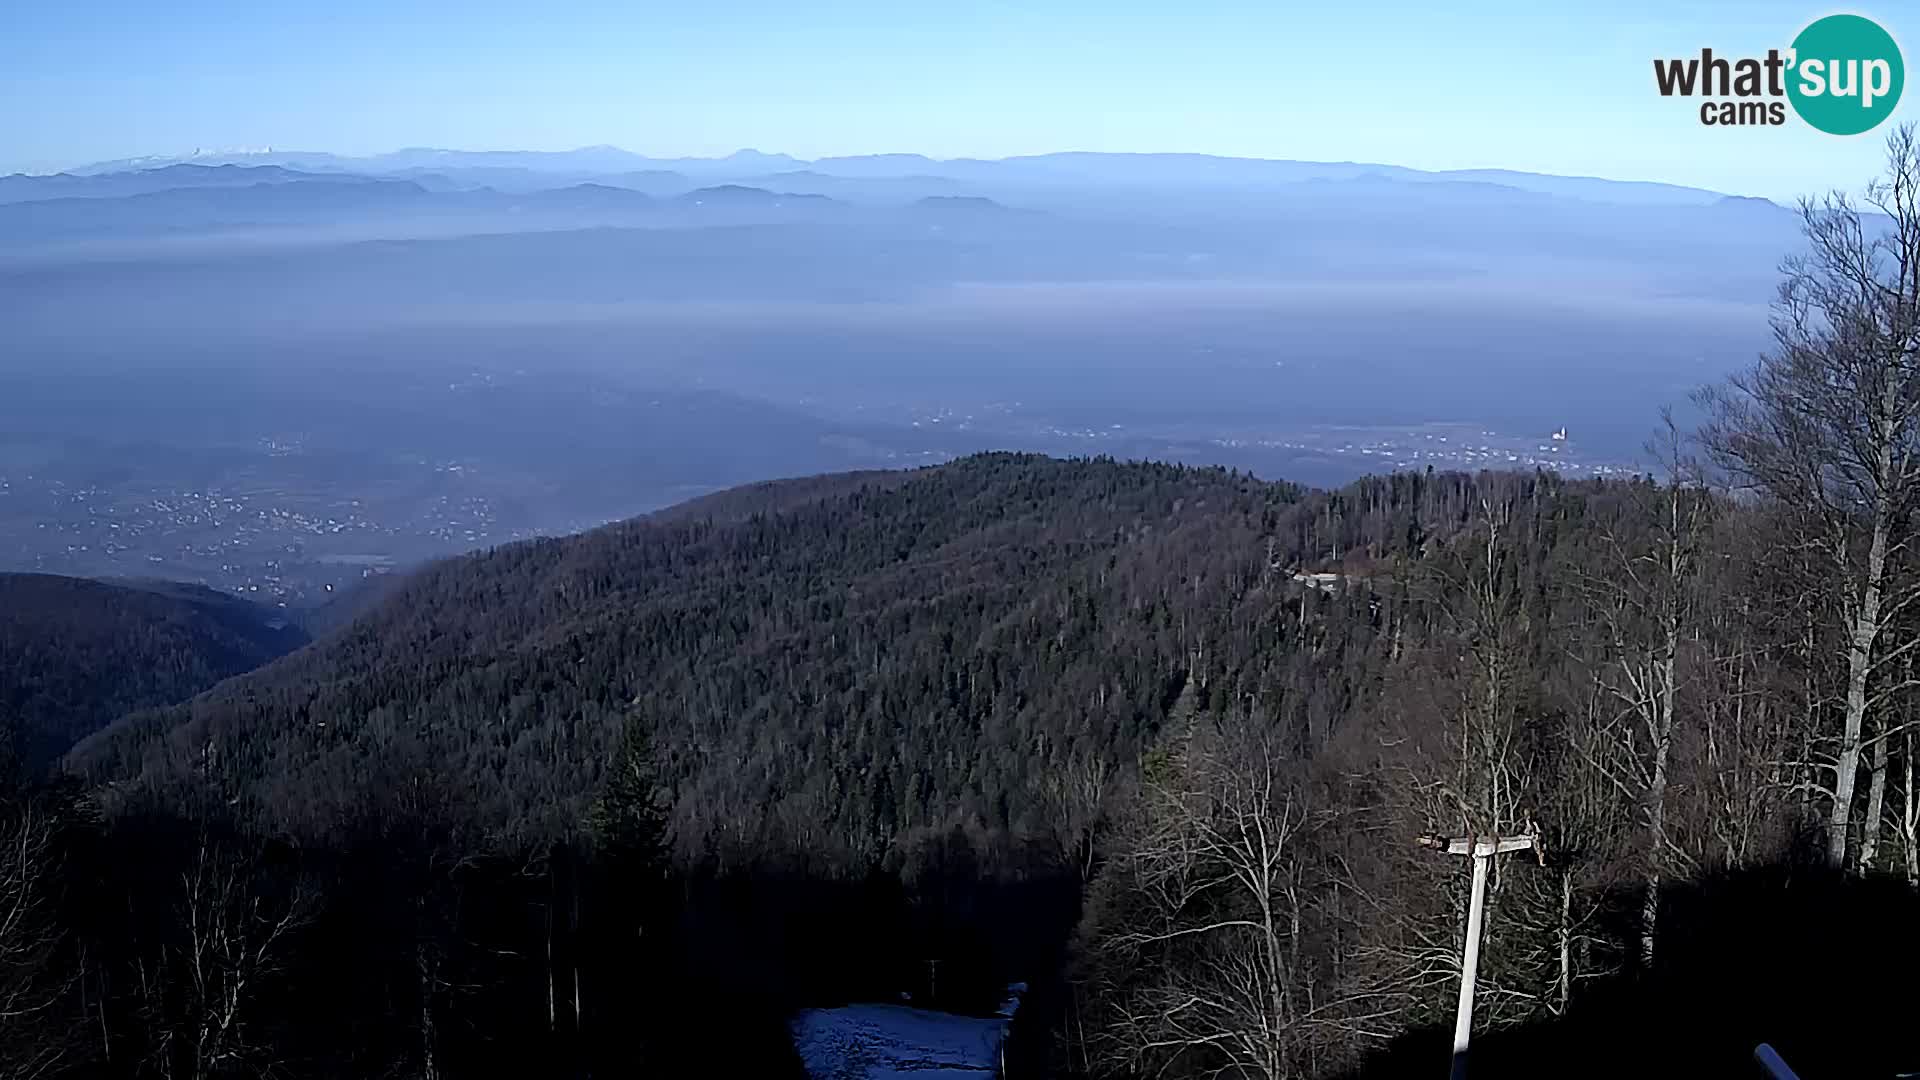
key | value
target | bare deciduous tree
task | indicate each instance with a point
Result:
(1644, 602)
(1828, 424)
(232, 941)
(1077, 797)
(31, 1045)
(1208, 965)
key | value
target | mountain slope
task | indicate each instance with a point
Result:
(822, 666)
(805, 656)
(75, 654)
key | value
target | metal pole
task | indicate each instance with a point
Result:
(1469, 964)
(1481, 850)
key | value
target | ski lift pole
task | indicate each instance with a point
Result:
(1481, 850)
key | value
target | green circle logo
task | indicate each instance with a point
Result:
(1846, 74)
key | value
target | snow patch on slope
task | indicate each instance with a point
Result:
(894, 1042)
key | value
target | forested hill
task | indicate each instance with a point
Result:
(76, 654)
(822, 665)
(1109, 729)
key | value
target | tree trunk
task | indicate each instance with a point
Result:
(1809, 722)
(1566, 939)
(1910, 816)
(429, 1063)
(1876, 807)
(573, 949)
(1657, 797)
(1866, 629)
(552, 1022)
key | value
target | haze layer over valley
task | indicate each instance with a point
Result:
(276, 373)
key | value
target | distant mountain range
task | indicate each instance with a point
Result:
(1215, 304)
(20, 187)
(585, 159)
(516, 167)
(413, 193)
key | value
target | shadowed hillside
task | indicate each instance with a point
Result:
(75, 654)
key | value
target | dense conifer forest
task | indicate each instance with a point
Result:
(76, 655)
(1158, 741)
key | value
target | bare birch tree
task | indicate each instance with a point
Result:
(1644, 604)
(1207, 967)
(1910, 811)
(1826, 424)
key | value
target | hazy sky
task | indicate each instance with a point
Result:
(1538, 86)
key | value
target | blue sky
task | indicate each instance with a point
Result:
(1538, 86)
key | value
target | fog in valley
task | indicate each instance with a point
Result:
(279, 373)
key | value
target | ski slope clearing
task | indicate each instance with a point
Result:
(894, 1042)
